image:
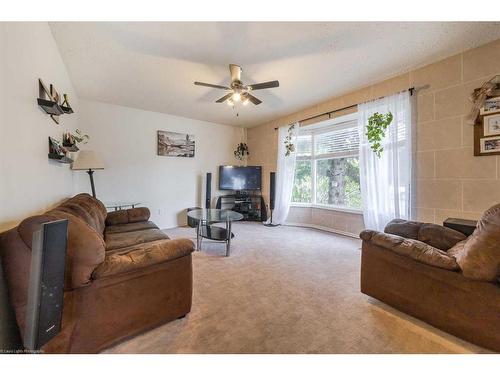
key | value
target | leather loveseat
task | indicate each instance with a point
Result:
(123, 275)
(439, 275)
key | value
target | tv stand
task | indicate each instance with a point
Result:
(251, 206)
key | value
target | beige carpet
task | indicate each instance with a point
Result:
(286, 290)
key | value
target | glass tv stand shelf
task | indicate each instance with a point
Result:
(252, 207)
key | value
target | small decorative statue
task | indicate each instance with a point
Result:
(289, 146)
(241, 151)
(70, 141)
(375, 131)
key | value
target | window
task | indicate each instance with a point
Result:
(327, 166)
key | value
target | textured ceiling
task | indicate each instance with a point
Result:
(152, 66)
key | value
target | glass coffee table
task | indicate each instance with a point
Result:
(204, 229)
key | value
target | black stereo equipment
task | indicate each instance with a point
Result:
(46, 285)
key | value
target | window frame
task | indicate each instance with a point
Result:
(321, 128)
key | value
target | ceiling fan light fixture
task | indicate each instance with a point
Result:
(246, 101)
(236, 97)
(230, 102)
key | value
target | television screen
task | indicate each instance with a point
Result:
(239, 178)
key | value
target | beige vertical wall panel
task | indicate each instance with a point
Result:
(425, 107)
(440, 75)
(449, 180)
(482, 61)
(440, 134)
(461, 163)
(392, 85)
(425, 164)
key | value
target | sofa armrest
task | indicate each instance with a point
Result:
(432, 234)
(411, 248)
(132, 215)
(142, 256)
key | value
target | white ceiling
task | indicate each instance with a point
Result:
(152, 66)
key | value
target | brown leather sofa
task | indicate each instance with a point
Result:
(439, 275)
(123, 275)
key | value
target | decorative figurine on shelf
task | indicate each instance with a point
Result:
(65, 105)
(71, 141)
(58, 152)
(241, 151)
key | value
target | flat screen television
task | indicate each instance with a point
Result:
(240, 178)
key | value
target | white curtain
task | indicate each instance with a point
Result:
(284, 175)
(386, 182)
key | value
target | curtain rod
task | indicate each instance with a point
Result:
(411, 90)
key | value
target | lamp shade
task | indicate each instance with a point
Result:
(87, 160)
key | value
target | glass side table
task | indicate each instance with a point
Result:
(204, 229)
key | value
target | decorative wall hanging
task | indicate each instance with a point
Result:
(481, 95)
(71, 141)
(50, 102)
(241, 151)
(375, 131)
(175, 144)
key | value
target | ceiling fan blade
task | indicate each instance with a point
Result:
(213, 86)
(235, 72)
(253, 99)
(264, 85)
(224, 98)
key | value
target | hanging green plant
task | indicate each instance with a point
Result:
(375, 130)
(289, 146)
(241, 151)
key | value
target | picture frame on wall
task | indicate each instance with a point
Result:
(175, 144)
(491, 105)
(490, 145)
(491, 125)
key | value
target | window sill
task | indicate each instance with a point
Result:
(329, 208)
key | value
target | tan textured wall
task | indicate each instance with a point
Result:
(450, 180)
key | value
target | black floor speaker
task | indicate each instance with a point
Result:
(272, 189)
(272, 197)
(208, 191)
(46, 286)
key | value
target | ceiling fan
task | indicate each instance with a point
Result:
(237, 90)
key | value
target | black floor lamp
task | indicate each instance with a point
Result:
(88, 161)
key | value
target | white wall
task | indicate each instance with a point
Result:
(29, 182)
(126, 140)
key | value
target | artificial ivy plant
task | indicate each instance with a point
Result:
(241, 151)
(289, 146)
(375, 130)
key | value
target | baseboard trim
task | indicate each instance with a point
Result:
(325, 229)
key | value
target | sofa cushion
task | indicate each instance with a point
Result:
(132, 215)
(479, 256)
(131, 227)
(403, 228)
(85, 249)
(143, 255)
(438, 236)
(126, 239)
(414, 249)
(87, 208)
(432, 234)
